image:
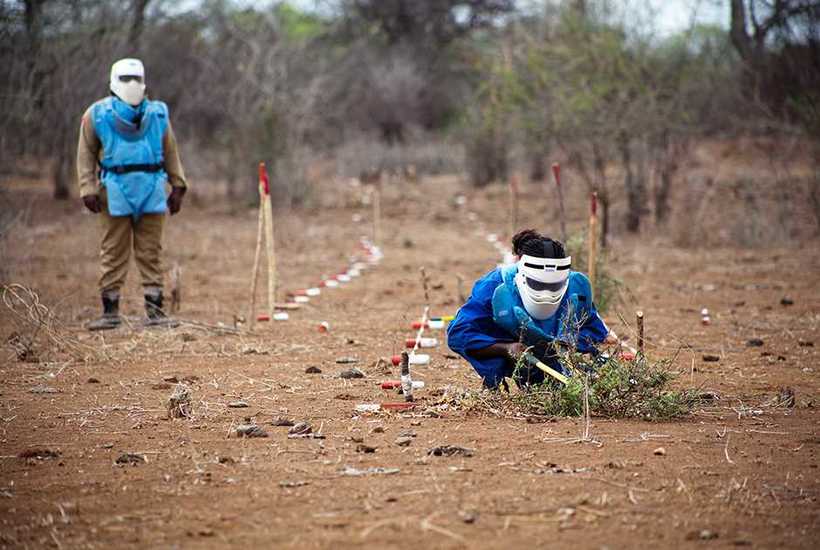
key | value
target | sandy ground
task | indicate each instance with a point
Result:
(738, 472)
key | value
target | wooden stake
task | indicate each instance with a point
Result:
(263, 178)
(260, 231)
(593, 219)
(639, 315)
(513, 204)
(176, 288)
(556, 172)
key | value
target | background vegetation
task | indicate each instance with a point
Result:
(354, 87)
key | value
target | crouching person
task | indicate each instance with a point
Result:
(537, 303)
(127, 153)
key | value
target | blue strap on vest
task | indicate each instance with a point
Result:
(132, 168)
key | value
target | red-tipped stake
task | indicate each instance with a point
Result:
(556, 172)
(639, 316)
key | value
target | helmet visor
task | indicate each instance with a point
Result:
(539, 286)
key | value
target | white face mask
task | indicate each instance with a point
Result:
(130, 89)
(542, 283)
(132, 92)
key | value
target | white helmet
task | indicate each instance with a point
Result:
(542, 283)
(128, 80)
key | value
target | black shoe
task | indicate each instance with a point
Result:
(156, 315)
(110, 318)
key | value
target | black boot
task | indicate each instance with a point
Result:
(110, 318)
(156, 315)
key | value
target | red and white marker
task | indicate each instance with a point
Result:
(422, 342)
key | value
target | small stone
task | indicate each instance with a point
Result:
(468, 516)
(40, 454)
(250, 430)
(302, 428)
(344, 396)
(450, 450)
(238, 405)
(706, 534)
(363, 448)
(377, 430)
(346, 360)
(92, 380)
(107, 445)
(660, 451)
(351, 373)
(709, 395)
(786, 301)
(711, 358)
(293, 484)
(805, 343)
(754, 343)
(403, 441)
(313, 370)
(162, 386)
(130, 458)
(281, 422)
(170, 379)
(42, 388)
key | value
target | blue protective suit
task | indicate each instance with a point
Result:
(132, 168)
(495, 313)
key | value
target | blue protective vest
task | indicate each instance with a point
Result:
(132, 169)
(495, 313)
(576, 312)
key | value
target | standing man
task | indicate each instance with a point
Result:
(126, 155)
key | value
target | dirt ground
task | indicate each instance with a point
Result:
(741, 471)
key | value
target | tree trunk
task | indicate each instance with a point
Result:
(137, 23)
(62, 171)
(632, 184)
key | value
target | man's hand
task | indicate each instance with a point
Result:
(515, 349)
(175, 199)
(509, 350)
(92, 202)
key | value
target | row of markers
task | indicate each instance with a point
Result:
(405, 360)
(492, 238)
(372, 256)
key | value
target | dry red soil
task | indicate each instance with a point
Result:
(738, 472)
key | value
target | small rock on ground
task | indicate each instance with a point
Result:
(711, 358)
(351, 373)
(403, 441)
(238, 405)
(302, 428)
(313, 369)
(250, 430)
(130, 458)
(346, 360)
(450, 450)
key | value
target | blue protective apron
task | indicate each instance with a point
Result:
(132, 168)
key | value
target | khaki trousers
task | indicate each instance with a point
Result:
(118, 235)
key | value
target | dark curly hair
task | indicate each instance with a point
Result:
(533, 243)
